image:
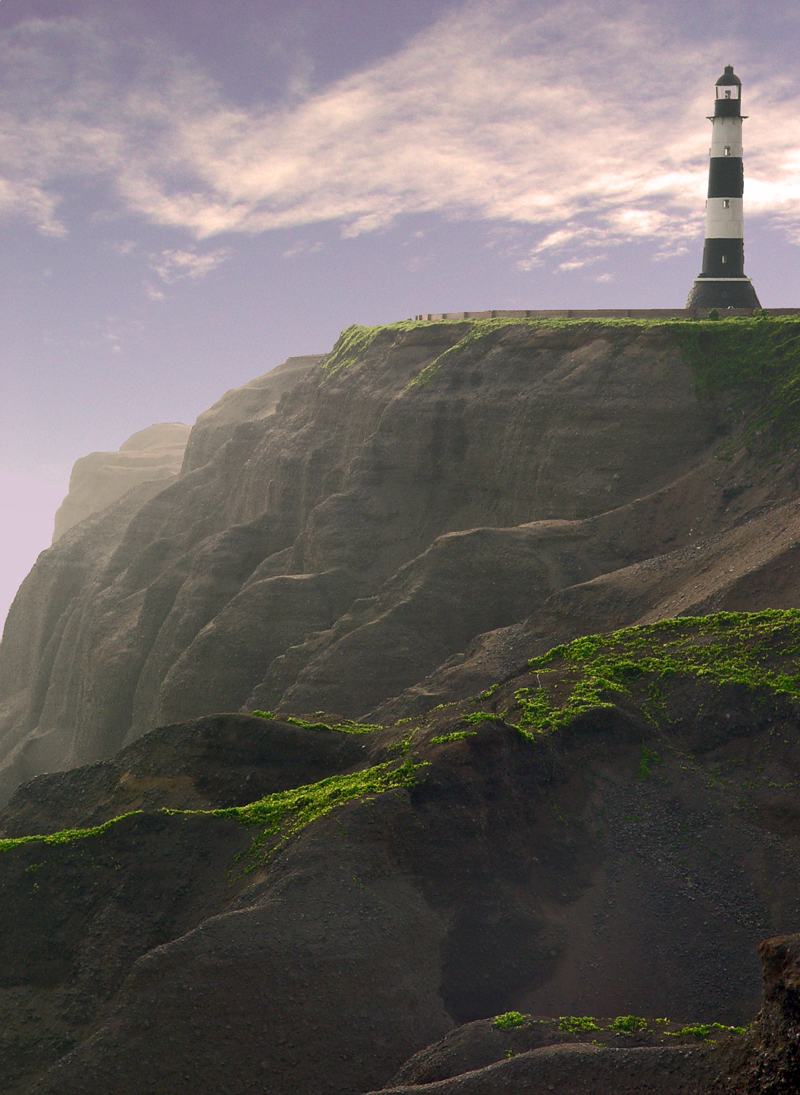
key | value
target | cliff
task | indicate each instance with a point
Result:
(343, 528)
(500, 817)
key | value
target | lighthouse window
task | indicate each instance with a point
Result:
(723, 258)
(727, 150)
(726, 204)
(728, 92)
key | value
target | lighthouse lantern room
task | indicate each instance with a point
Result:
(722, 283)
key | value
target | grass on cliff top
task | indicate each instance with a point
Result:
(754, 360)
(758, 651)
(278, 817)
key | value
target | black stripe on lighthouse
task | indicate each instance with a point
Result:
(723, 259)
(725, 177)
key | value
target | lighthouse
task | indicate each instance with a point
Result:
(722, 283)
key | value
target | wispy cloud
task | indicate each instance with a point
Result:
(171, 266)
(303, 247)
(585, 120)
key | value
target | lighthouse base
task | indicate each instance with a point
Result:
(722, 293)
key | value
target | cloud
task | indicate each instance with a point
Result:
(172, 266)
(303, 247)
(582, 121)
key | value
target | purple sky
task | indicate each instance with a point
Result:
(190, 192)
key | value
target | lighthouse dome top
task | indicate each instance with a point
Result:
(729, 78)
(728, 96)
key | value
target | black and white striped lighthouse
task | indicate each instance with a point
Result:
(722, 283)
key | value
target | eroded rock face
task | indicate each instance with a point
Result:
(288, 511)
(343, 529)
(250, 403)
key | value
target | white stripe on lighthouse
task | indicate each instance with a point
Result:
(726, 133)
(724, 219)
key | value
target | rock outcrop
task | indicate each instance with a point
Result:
(767, 1061)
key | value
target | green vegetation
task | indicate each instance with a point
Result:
(577, 1024)
(703, 1030)
(756, 362)
(442, 739)
(475, 717)
(510, 1019)
(278, 817)
(352, 343)
(479, 329)
(757, 650)
(69, 836)
(628, 1024)
(281, 816)
(346, 727)
(650, 758)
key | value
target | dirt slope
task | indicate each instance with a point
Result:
(609, 833)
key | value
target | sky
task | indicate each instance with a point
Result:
(190, 192)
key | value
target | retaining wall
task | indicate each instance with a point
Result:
(603, 313)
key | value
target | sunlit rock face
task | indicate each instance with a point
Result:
(342, 528)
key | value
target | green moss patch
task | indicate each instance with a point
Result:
(479, 330)
(281, 816)
(703, 1031)
(577, 1024)
(510, 1020)
(346, 727)
(65, 836)
(758, 650)
(756, 362)
(628, 1024)
(278, 817)
(352, 344)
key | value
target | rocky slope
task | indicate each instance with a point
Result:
(343, 529)
(608, 833)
